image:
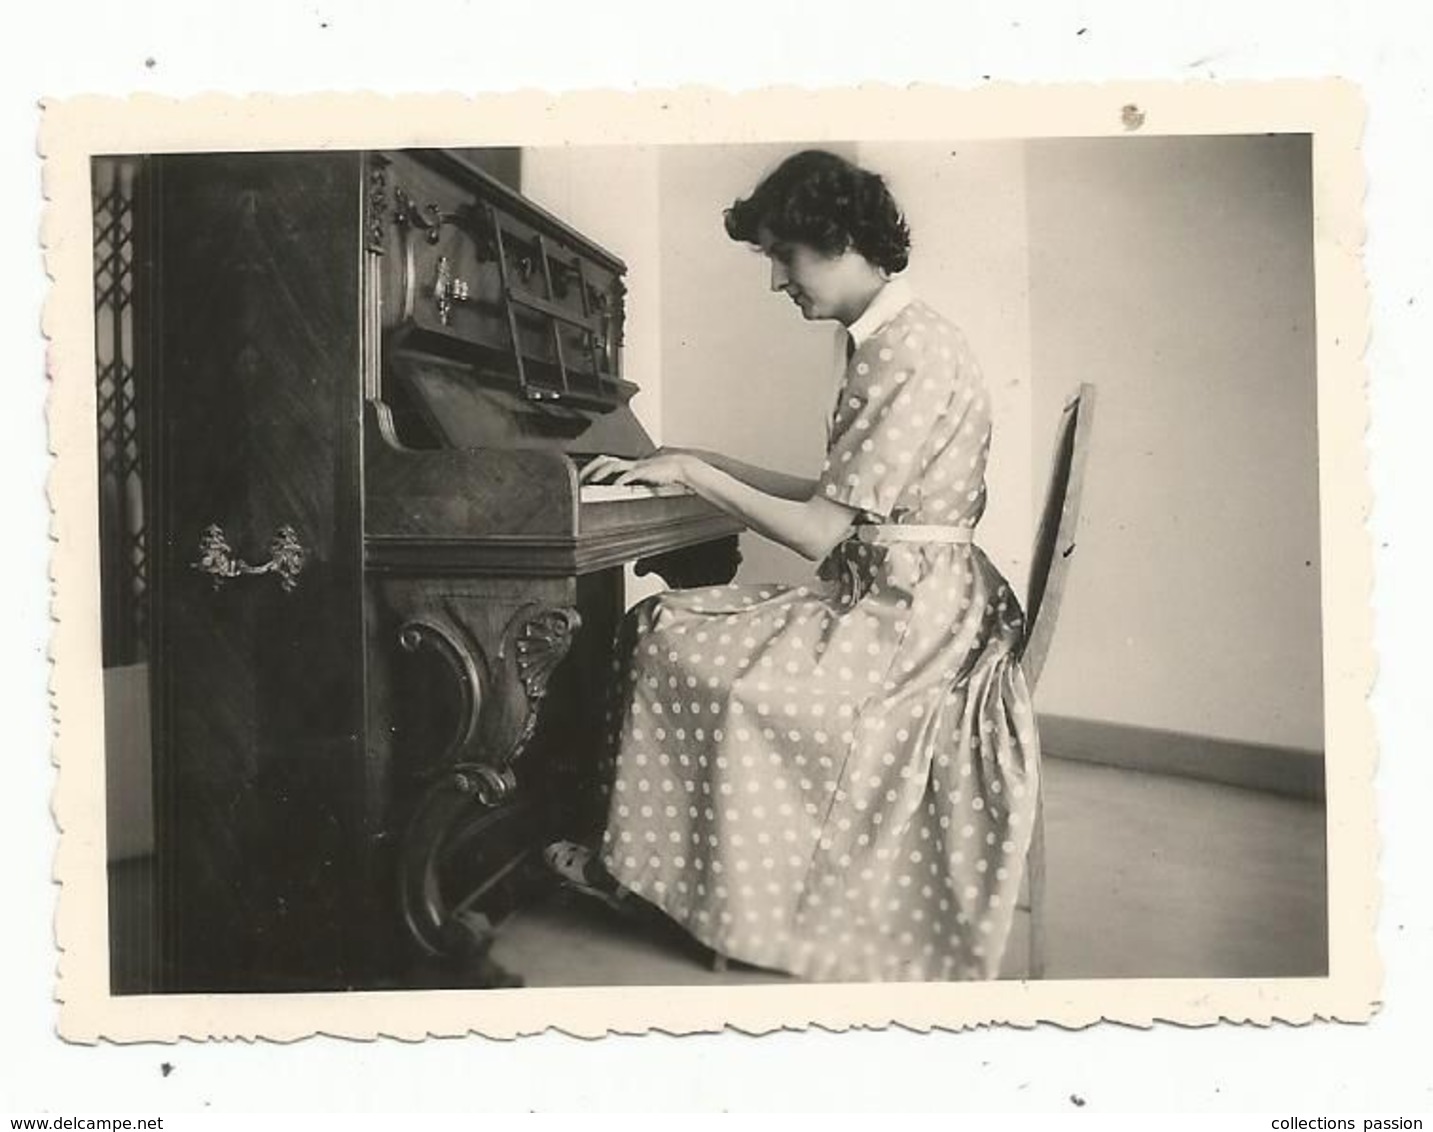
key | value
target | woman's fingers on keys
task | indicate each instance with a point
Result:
(596, 468)
(633, 474)
(592, 470)
(601, 468)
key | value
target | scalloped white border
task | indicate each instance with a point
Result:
(1332, 110)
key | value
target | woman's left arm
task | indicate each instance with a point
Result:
(811, 527)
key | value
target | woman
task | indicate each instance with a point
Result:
(835, 782)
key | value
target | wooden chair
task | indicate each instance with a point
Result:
(1049, 570)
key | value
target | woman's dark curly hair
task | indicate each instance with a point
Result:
(822, 200)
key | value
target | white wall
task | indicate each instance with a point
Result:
(610, 195)
(1177, 275)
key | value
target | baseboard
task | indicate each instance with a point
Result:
(1289, 771)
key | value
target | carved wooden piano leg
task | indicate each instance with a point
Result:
(500, 689)
(454, 943)
(718, 963)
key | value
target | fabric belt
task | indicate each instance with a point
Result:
(885, 533)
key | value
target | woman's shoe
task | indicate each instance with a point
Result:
(574, 866)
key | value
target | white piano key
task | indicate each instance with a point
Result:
(611, 493)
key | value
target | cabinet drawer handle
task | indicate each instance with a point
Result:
(448, 289)
(218, 560)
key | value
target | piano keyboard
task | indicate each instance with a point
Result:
(611, 493)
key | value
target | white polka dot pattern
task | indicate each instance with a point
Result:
(838, 782)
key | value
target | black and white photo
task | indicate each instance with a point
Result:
(832, 561)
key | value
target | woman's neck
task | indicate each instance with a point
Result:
(864, 300)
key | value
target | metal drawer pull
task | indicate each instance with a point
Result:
(447, 290)
(217, 558)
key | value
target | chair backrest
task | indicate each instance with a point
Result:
(1055, 538)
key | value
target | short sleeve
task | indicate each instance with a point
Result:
(898, 385)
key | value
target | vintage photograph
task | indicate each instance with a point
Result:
(804, 560)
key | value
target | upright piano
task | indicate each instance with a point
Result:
(384, 607)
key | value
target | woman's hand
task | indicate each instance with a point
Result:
(673, 450)
(658, 470)
(810, 525)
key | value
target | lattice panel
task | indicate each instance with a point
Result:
(124, 533)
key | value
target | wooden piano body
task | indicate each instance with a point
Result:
(384, 608)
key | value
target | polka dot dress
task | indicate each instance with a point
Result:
(839, 781)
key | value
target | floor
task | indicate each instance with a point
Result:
(1148, 876)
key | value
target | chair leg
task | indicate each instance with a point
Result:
(1035, 866)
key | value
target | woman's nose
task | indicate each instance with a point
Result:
(779, 277)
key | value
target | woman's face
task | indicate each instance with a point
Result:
(822, 286)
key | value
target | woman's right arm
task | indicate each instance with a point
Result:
(779, 484)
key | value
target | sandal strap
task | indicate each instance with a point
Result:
(569, 860)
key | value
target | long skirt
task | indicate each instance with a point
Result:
(836, 782)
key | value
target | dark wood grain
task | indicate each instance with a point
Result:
(535, 301)
(466, 493)
(557, 555)
(256, 386)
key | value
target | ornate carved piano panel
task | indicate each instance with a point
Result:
(469, 269)
(384, 607)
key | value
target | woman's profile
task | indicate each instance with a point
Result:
(834, 781)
